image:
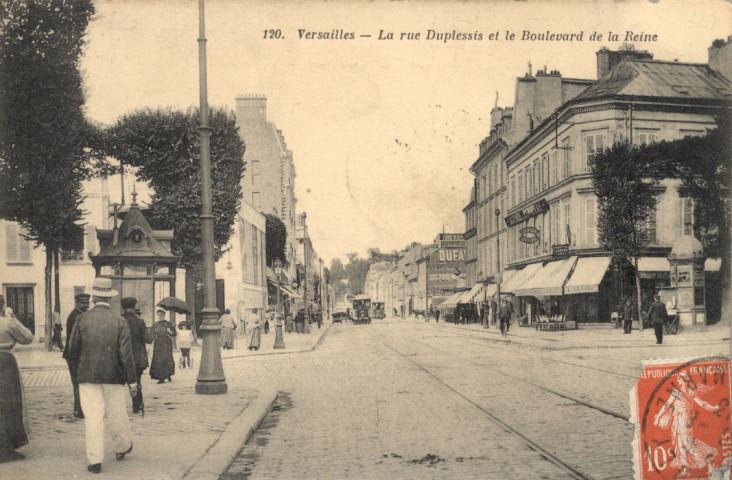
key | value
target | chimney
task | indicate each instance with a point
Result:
(720, 57)
(607, 59)
(251, 107)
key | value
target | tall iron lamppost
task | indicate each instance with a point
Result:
(279, 340)
(498, 258)
(211, 379)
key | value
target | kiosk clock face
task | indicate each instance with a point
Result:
(137, 237)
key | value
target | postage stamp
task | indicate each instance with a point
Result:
(683, 427)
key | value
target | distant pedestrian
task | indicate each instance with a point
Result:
(101, 347)
(139, 337)
(162, 366)
(256, 335)
(185, 341)
(228, 325)
(300, 321)
(437, 316)
(289, 322)
(658, 315)
(630, 313)
(266, 326)
(81, 305)
(504, 316)
(12, 415)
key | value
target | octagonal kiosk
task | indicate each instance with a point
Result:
(139, 262)
(687, 278)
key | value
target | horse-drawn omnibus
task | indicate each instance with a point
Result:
(361, 309)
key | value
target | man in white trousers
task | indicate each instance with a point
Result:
(101, 347)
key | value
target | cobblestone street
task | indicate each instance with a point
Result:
(412, 400)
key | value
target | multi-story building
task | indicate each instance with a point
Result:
(377, 281)
(269, 182)
(243, 267)
(550, 206)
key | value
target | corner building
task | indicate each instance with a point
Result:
(555, 262)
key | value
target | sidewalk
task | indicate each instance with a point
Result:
(182, 436)
(593, 337)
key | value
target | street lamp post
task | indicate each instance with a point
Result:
(498, 257)
(211, 379)
(279, 340)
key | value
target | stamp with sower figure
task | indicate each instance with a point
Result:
(683, 427)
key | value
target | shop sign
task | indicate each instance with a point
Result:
(542, 206)
(447, 255)
(529, 235)
(561, 250)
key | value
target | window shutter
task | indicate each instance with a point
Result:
(25, 246)
(590, 221)
(11, 235)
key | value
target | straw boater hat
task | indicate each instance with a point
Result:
(102, 287)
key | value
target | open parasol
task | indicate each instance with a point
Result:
(176, 305)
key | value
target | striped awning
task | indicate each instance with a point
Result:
(549, 281)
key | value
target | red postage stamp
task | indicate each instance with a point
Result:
(683, 428)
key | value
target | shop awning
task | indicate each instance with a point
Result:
(587, 275)
(660, 264)
(452, 300)
(283, 288)
(468, 296)
(520, 277)
(548, 281)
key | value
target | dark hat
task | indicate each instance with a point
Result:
(82, 296)
(128, 302)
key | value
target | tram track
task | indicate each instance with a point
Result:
(574, 472)
(536, 385)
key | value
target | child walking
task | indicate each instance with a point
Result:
(185, 340)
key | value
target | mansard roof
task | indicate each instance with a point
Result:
(655, 78)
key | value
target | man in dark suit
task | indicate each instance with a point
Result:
(101, 348)
(81, 305)
(657, 314)
(138, 336)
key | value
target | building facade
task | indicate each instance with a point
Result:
(551, 208)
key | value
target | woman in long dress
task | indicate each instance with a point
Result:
(162, 366)
(228, 325)
(256, 335)
(12, 414)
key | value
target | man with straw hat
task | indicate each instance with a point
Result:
(101, 347)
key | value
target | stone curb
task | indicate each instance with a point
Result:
(222, 453)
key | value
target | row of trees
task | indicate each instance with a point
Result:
(48, 147)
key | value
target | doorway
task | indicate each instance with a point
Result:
(20, 299)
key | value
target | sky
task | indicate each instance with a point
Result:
(383, 131)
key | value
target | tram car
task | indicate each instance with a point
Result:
(361, 309)
(377, 310)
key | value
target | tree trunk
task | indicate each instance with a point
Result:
(190, 294)
(56, 283)
(638, 293)
(48, 294)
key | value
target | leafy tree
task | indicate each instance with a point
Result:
(623, 182)
(704, 165)
(356, 270)
(276, 238)
(164, 146)
(337, 273)
(46, 143)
